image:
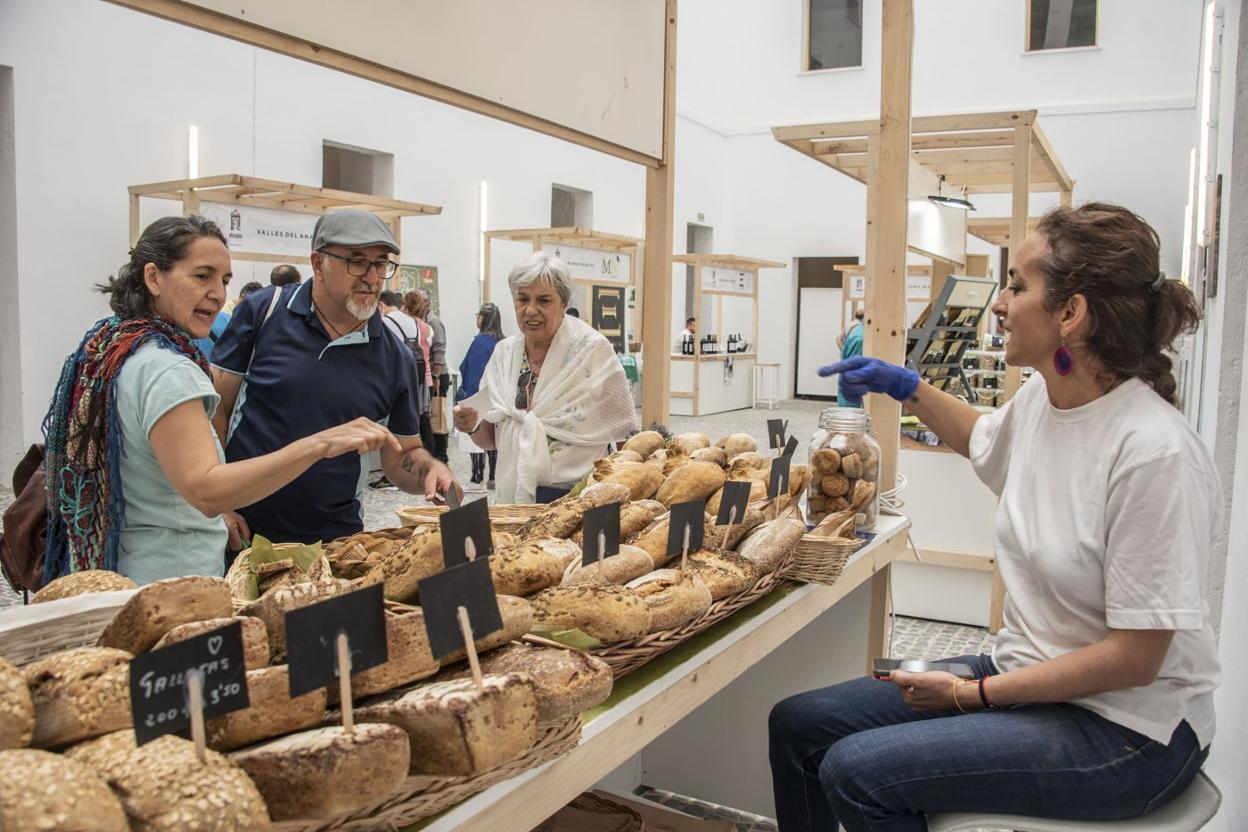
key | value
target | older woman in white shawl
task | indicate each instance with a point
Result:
(552, 397)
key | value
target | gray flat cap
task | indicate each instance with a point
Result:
(354, 229)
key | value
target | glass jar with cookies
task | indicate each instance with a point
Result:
(845, 471)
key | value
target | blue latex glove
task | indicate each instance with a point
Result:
(861, 375)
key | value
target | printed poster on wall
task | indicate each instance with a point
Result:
(857, 286)
(593, 264)
(727, 280)
(410, 278)
(263, 230)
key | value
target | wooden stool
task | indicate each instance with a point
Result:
(1186, 813)
(767, 385)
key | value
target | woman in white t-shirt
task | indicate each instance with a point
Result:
(1097, 702)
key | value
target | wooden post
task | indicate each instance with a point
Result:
(1018, 221)
(190, 202)
(889, 161)
(485, 269)
(656, 325)
(1067, 198)
(134, 219)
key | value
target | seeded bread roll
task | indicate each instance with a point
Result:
(326, 771)
(165, 788)
(672, 599)
(271, 608)
(566, 682)
(255, 637)
(41, 790)
(724, 573)
(272, 711)
(159, 607)
(457, 729)
(80, 583)
(563, 517)
(517, 615)
(400, 573)
(17, 710)
(634, 517)
(564, 551)
(523, 570)
(79, 694)
(631, 562)
(769, 544)
(410, 659)
(608, 614)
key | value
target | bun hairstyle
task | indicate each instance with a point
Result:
(1111, 256)
(164, 243)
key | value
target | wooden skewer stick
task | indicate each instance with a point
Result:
(195, 692)
(684, 551)
(470, 549)
(732, 518)
(344, 683)
(602, 547)
(470, 647)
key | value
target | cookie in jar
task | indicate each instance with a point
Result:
(845, 463)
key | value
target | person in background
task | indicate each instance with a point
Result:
(413, 306)
(574, 312)
(403, 327)
(141, 483)
(687, 335)
(1097, 702)
(284, 275)
(248, 288)
(553, 397)
(298, 358)
(850, 342)
(489, 333)
(437, 358)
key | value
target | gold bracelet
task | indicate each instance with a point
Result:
(955, 697)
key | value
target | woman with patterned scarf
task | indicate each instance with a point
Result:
(137, 481)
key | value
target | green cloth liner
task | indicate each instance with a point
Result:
(573, 638)
(262, 551)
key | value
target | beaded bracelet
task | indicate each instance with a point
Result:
(983, 696)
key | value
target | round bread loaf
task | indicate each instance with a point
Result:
(644, 443)
(631, 562)
(271, 608)
(566, 682)
(564, 551)
(165, 788)
(81, 583)
(523, 570)
(609, 614)
(769, 544)
(17, 710)
(715, 455)
(159, 607)
(737, 443)
(401, 572)
(626, 456)
(79, 694)
(690, 442)
(724, 573)
(255, 637)
(672, 599)
(42, 790)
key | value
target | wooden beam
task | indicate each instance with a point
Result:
(985, 138)
(1067, 197)
(153, 188)
(1050, 158)
(835, 130)
(840, 146)
(885, 331)
(656, 325)
(964, 156)
(972, 121)
(1018, 223)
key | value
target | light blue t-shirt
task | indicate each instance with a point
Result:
(164, 536)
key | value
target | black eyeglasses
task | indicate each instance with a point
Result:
(359, 266)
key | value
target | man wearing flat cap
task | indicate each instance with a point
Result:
(301, 358)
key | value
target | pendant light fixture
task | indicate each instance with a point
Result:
(950, 201)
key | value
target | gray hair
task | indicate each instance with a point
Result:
(542, 267)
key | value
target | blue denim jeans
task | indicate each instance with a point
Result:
(856, 754)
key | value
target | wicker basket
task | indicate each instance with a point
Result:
(502, 518)
(33, 631)
(596, 804)
(820, 560)
(421, 797)
(626, 656)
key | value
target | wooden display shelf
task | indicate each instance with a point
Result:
(646, 703)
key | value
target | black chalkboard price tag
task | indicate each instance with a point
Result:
(468, 522)
(732, 503)
(604, 521)
(312, 638)
(776, 430)
(691, 516)
(467, 586)
(159, 701)
(778, 482)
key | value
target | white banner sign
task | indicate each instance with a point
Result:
(918, 287)
(857, 286)
(594, 264)
(263, 230)
(727, 280)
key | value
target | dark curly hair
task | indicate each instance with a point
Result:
(164, 243)
(1111, 256)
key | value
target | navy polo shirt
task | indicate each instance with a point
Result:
(302, 381)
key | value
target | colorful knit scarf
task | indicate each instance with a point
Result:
(86, 510)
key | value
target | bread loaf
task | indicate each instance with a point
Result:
(159, 607)
(79, 694)
(41, 790)
(456, 729)
(609, 614)
(255, 637)
(653, 539)
(645, 443)
(631, 562)
(524, 569)
(715, 455)
(641, 480)
(634, 517)
(326, 771)
(737, 443)
(563, 517)
(769, 544)
(566, 682)
(271, 608)
(747, 461)
(758, 493)
(401, 572)
(165, 788)
(410, 659)
(626, 456)
(272, 711)
(673, 599)
(564, 551)
(518, 617)
(674, 457)
(81, 583)
(17, 709)
(690, 442)
(724, 573)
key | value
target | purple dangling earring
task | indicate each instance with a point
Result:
(1063, 361)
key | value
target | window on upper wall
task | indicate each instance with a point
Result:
(833, 34)
(1060, 24)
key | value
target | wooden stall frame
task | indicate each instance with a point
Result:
(719, 261)
(255, 192)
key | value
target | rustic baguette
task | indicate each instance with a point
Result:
(631, 562)
(769, 544)
(608, 614)
(724, 573)
(673, 599)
